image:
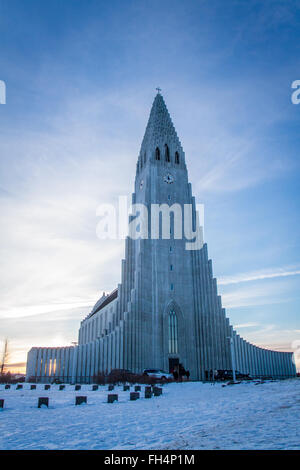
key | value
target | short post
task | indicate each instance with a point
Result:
(32, 387)
(111, 387)
(134, 396)
(232, 357)
(126, 388)
(148, 388)
(19, 387)
(95, 387)
(47, 387)
(157, 391)
(1, 403)
(137, 388)
(7, 387)
(61, 387)
(80, 400)
(77, 387)
(148, 393)
(43, 401)
(111, 397)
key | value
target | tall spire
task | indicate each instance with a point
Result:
(160, 128)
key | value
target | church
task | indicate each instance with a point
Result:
(166, 310)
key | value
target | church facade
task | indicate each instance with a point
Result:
(166, 309)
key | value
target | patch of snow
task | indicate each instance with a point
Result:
(191, 415)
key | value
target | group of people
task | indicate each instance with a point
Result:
(179, 372)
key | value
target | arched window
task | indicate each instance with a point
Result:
(176, 157)
(167, 153)
(173, 333)
(157, 154)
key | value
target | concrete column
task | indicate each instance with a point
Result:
(250, 358)
(88, 361)
(273, 371)
(255, 360)
(100, 367)
(113, 349)
(122, 344)
(105, 354)
(247, 362)
(74, 364)
(31, 367)
(84, 362)
(241, 353)
(266, 361)
(281, 368)
(259, 365)
(96, 363)
(39, 364)
(47, 356)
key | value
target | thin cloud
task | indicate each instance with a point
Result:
(247, 277)
(246, 325)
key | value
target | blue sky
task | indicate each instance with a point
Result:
(81, 78)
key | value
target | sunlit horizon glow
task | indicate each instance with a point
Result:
(79, 92)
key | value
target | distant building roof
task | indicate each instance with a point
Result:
(103, 301)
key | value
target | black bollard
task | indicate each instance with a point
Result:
(126, 388)
(157, 391)
(148, 393)
(32, 387)
(111, 397)
(43, 401)
(95, 387)
(47, 387)
(80, 400)
(77, 387)
(134, 396)
(1, 403)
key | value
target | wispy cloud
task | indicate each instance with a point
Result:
(246, 325)
(258, 275)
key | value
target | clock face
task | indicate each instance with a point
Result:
(168, 178)
(141, 184)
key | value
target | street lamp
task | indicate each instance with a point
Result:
(232, 356)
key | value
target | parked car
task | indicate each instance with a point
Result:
(158, 374)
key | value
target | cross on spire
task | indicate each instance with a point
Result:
(158, 90)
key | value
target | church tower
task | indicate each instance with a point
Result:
(174, 314)
(166, 310)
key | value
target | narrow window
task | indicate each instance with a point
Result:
(171, 249)
(172, 286)
(173, 333)
(157, 154)
(177, 157)
(171, 267)
(167, 153)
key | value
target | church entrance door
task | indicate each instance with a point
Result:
(173, 362)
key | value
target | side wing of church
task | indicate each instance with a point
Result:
(166, 310)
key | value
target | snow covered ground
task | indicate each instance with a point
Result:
(186, 416)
